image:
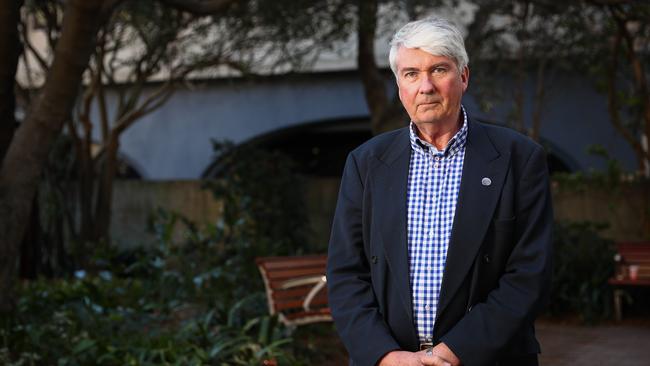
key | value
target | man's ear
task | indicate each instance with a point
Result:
(464, 77)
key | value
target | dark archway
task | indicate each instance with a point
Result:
(319, 149)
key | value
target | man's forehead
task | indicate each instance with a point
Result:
(407, 56)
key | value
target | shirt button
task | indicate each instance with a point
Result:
(427, 307)
(431, 233)
(437, 158)
(430, 268)
(436, 165)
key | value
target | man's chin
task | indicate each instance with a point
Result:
(428, 118)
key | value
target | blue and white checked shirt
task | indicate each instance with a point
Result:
(433, 185)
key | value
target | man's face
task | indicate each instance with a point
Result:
(430, 87)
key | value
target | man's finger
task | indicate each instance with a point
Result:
(433, 360)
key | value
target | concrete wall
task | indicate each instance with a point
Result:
(134, 202)
(626, 209)
(173, 142)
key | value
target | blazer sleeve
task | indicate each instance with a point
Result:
(350, 293)
(482, 334)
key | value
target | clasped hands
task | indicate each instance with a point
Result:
(440, 355)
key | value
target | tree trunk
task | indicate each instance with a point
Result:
(540, 93)
(385, 115)
(31, 248)
(375, 90)
(519, 118)
(86, 194)
(10, 49)
(28, 152)
(105, 189)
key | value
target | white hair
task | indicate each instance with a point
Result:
(436, 36)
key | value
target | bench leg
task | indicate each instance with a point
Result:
(618, 304)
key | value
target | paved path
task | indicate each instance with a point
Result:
(620, 345)
(626, 344)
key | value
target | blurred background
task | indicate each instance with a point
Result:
(151, 150)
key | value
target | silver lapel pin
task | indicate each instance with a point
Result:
(486, 181)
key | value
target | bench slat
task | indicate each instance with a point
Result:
(303, 314)
(317, 302)
(294, 273)
(283, 262)
(629, 282)
(295, 292)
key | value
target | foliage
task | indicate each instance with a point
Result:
(98, 321)
(583, 263)
(177, 304)
(518, 49)
(625, 74)
(610, 178)
(262, 196)
(181, 300)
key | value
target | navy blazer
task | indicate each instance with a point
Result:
(498, 268)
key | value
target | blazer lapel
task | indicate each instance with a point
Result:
(477, 201)
(390, 184)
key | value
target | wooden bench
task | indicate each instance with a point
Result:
(296, 288)
(629, 254)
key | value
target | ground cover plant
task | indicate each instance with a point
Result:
(192, 297)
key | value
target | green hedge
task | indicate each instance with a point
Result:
(583, 262)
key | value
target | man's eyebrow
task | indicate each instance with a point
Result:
(443, 63)
(409, 69)
(439, 64)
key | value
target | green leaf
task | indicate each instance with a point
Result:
(83, 345)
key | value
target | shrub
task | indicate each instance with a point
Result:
(172, 305)
(197, 300)
(583, 262)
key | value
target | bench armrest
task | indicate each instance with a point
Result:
(319, 281)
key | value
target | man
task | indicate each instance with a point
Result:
(441, 241)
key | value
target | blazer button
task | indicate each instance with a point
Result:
(486, 259)
(374, 259)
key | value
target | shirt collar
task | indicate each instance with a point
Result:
(454, 145)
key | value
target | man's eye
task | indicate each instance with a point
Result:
(410, 75)
(439, 70)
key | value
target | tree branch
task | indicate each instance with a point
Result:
(37, 55)
(640, 80)
(128, 119)
(612, 101)
(100, 95)
(109, 6)
(613, 2)
(199, 7)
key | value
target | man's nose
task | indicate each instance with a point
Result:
(426, 85)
